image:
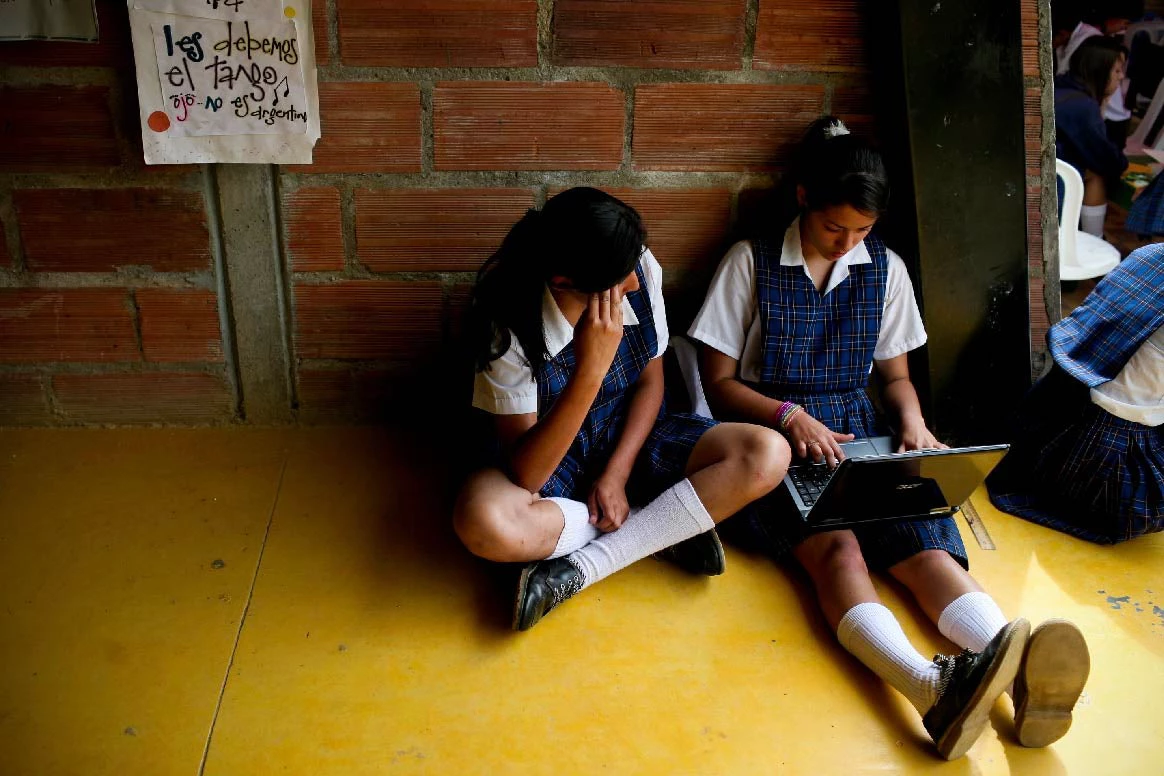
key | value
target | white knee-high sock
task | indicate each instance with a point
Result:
(676, 514)
(577, 531)
(971, 620)
(1091, 218)
(873, 635)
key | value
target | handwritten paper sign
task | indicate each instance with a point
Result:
(231, 78)
(226, 80)
(48, 20)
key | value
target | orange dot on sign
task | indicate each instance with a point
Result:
(158, 121)
(289, 13)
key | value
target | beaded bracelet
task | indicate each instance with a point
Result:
(787, 411)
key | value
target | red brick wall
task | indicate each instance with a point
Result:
(443, 121)
(108, 309)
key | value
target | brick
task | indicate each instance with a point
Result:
(5, 257)
(315, 240)
(686, 228)
(367, 127)
(720, 126)
(179, 325)
(22, 401)
(99, 230)
(855, 106)
(56, 129)
(438, 33)
(434, 230)
(373, 320)
(818, 35)
(77, 324)
(113, 49)
(1029, 18)
(151, 397)
(459, 301)
(344, 395)
(704, 34)
(528, 126)
(319, 32)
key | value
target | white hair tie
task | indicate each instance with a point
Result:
(836, 129)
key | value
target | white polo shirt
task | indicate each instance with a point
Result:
(730, 321)
(1137, 392)
(509, 387)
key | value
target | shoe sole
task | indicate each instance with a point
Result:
(966, 729)
(522, 583)
(1050, 680)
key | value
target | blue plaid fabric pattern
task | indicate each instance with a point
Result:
(1095, 342)
(663, 457)
(817, 351)
(1147, 213)
(1079, 469)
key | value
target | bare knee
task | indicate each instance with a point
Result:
(832, 555)
(928, 567)
(763, 457)
(486, 526)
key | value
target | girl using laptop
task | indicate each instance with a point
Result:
(791, 329)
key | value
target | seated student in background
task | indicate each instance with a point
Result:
(569, 328)
(1081, 139)
(1089, 456)
(792, 327)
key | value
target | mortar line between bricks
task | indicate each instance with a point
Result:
(243, 619)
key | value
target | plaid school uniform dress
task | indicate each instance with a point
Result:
(1074, 466)
(663, 458)
(817, 351)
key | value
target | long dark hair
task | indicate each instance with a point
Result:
(1092, 62)
(582, 234)
(835, 168)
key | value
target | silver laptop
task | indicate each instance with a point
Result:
(873, 483)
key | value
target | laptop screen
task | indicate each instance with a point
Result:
(912, 485)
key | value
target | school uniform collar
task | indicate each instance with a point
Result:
(558, 331)
(792, 255)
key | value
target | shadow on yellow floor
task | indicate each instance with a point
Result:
(294, 602)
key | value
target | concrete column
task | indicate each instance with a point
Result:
(253, 285)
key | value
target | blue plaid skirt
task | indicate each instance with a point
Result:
(661, 463)
(1146, 215)
(1081, 470)
(772, 526)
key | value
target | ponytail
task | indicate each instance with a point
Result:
(835, 168)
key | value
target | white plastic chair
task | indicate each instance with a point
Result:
(1081, 255)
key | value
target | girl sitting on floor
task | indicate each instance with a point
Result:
(1089, 456)
(792, 327)
(593, 472)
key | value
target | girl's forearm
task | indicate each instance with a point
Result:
(539, 451)
(640, 419)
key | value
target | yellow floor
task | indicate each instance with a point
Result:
(293, 602)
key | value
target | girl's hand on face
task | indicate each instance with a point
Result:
(814, 440)
(599, 333)
(608, 505)
(915, 436)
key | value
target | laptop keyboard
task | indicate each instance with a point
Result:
(810, 481)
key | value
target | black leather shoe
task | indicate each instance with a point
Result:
(544, 585)
(702, 554)
(970, 684)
